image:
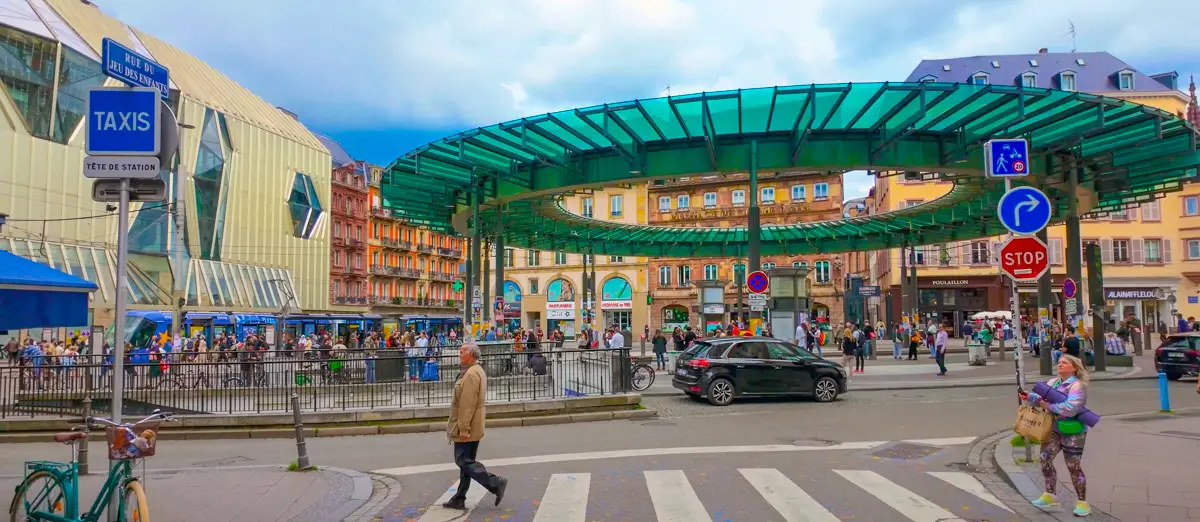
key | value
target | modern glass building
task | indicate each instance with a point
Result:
(251, 225)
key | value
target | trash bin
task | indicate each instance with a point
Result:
(976, 355)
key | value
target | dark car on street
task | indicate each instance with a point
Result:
(725, 368)
(1179, 355)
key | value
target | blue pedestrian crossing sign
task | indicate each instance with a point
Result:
(1024, 210)
(1006, 158)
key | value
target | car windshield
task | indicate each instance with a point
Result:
(1181, 342)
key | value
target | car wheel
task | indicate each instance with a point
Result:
(825, 389)
(720, 392)
(1174, 376)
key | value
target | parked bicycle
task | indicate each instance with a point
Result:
(50, 490)
(192, 379)
(642, 375)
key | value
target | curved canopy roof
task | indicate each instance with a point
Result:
(1122, 153)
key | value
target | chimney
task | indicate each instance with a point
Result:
(1043, 50)
(289, 113)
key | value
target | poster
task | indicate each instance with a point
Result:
(269, 334)
(195, 331)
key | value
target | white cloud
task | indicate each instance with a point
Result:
(457, 63)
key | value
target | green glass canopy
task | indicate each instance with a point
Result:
(1121, 153)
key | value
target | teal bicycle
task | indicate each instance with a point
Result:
(50, 491)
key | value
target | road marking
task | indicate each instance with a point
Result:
(565, 499)
(673, 497)
(660, 452)
(786, 497)
(970, 484)
(437, 513)
(909, 504)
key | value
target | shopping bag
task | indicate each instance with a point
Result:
(1034, 424)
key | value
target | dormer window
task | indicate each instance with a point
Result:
(1125, 80)
(1029, 79)
(928, 78)
(980, 78)
(1066, 81)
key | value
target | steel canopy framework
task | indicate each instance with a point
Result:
(1121, 153)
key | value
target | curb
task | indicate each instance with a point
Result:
(385, 491)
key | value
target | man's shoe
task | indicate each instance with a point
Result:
(456, 503)
(501, 485)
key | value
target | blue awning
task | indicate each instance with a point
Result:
(33, 295)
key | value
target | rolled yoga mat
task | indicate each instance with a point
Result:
(1054, 396)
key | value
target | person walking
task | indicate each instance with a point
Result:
(862, 343)
(898, 341)
(1068, 434)
(849, 346)
(939, 347)
(465, 429)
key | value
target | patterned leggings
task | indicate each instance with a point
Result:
(1071, 447)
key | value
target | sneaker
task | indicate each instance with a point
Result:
(1045, 501)
(1082, 509)
(456, 503)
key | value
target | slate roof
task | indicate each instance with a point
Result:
(339, 155)
(1097, 74)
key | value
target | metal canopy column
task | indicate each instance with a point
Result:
(1043, 301)
(753, 225)
(501, 257)
(905, 291)
(485, 258)
(1074, 251)
(474, 264)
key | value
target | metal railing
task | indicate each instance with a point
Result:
(241, 382)
(441, 276)
(345, 299)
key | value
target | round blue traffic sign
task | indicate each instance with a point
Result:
(1024, 210)
(757, 282)
(1069, 288)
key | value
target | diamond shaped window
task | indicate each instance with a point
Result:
(211, 187)
(304, 206)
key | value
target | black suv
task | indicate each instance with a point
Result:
(1179, 355)
(723, 369)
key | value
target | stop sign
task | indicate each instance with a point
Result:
(1024, 258)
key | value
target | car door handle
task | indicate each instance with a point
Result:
(777, 367)
(739, 366)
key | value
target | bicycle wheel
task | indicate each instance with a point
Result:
(48, 496)
(233, 382)
(171, 382)
(133, 505)
(643, 377)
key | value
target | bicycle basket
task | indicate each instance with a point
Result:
(128, 444)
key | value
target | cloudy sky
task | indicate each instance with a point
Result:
(384, 76)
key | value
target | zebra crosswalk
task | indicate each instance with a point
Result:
(568, 497)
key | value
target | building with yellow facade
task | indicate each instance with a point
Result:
(412, 269)
(545, 289)
(255, 183)
(1144, 249)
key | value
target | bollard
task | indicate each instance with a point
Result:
(301, 448)
(1164, 395)
(83, 444)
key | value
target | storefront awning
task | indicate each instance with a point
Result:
(33, 295)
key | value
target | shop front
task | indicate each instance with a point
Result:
(560, 306)
(561, 316)
(1149, 304)
(509, 314)
(951, 301)
(1028, 294)
(616, 303)
(674, 316)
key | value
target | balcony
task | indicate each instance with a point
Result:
(338, 241)
(395, 271)
(356, 243)
(355, 184)
(449, 252)
(347, 300)
(442, 276)
(382, 213)
(425, 249)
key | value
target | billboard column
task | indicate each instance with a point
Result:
(485, 257)
(474, 264)
(501, 257)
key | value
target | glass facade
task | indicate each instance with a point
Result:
(304, 206)
(211, 186)
(209, 283)
(27, 65)
(77, 74)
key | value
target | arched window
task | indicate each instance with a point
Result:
(710, 272)
(739, 274)
(685, 275)
(822, 270)
(616, 289)
(560, 290)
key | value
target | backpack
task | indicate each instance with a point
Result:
(429, 372)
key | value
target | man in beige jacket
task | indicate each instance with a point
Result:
(465, 428)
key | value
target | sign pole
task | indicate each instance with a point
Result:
(118, 390)
(1018, 352)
